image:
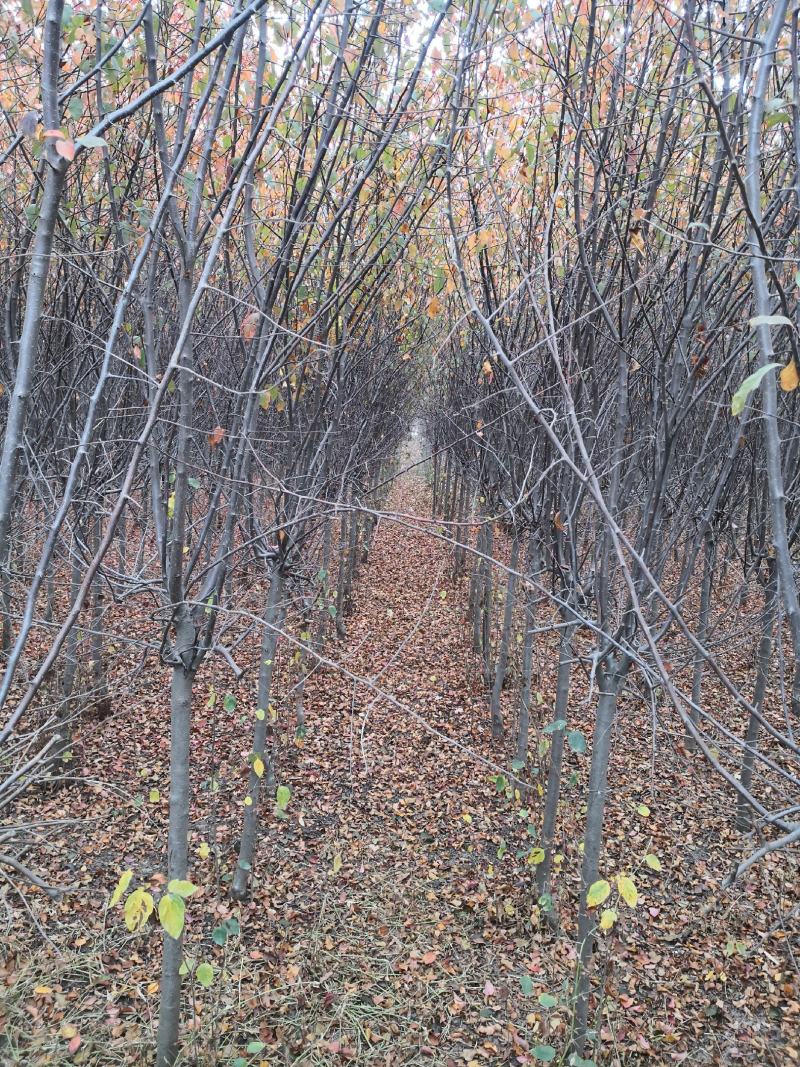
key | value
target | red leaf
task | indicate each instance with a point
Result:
(74, 1044)
(216, 435)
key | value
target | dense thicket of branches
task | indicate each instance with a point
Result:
(245, 246)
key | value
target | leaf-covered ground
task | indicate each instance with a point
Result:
(393, 918)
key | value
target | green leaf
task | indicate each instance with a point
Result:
(255, 1047)
(91, 140)
(154, 796)
(537, 856)
(181, 887)
(553, 727)
(653, 862)
(205, 975)
(122, 885)
(597, 893)
(751, 382)
(526, 985)
(282, 797)
(643, 810)
(769, 320)
(544, 1053)
(171, 911)
(576, 741)
(547, 1000)
(219, 935)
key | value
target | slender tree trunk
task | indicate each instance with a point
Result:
(325, 583)
(702, 635)
(505, 641)
(487, 593)
(273, 618)
(610, 681)
(744, 812)
(177, 852)
(554, 770)
(475, 590)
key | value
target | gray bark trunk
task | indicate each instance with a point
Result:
(273, 618)
(505, 641)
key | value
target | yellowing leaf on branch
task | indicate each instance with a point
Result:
(171, 911)
(608, 918)
(258, 767)
(627, 890)
(637, 241)
(122, 885)
(434, 307)
(138, 909)
(598, 891)
(789, 377)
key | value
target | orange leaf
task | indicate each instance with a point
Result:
(249, 326)
(789, 377)
(487, 369)
(54, 133)
(216, 435)
(434, 307)
(66, 149)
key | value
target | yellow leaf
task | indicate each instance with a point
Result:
(637, 241)
(258, 767)
(42, 990)
(653, 862)
(138, 909)
(467, 818)
(122, 885)
(789, 377)
(643, 810)
(171, 910)
(155, 796)
(204, 851)
(607, 919)
(627, 890)
(337, 863)
(536, 856)
(597, 893)
(68, 1031)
